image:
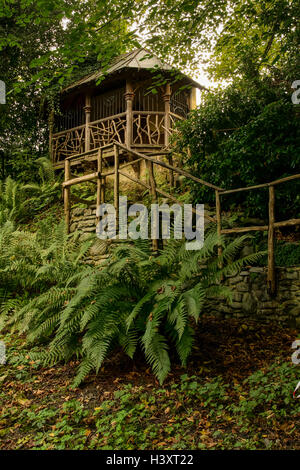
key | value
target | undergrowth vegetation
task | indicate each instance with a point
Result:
(20, 202)
(191, 411)
(135, 301)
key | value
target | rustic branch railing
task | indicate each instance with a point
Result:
(151, 185)
(104, 131)
(148, 129)
(66, 143)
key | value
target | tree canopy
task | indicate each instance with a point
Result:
(47, 43)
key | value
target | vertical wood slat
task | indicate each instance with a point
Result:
(153, 194)
(116, 184)
(103, 184)
(99, 181)
(167, 97)
(271, 255)
(67, 195)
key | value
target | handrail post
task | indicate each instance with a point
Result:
(154, 196)
(99, 182)
(166, 98)
(67, 195)
(116, 184)
(271, 256)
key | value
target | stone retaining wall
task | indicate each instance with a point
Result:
(250, 297)
(83, 220)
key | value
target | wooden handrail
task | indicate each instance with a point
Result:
(89, 152)
(169, 167)
(259, 186)
(154, 190)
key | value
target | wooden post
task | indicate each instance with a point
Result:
(129, 96)
(271, 256)
(67, 195)
(166, 98)
(99, 181)
(103, 184)
(219, 223)
(153, 194)
(87, 110)
(116, 184)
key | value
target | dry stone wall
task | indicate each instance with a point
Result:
(250, 297)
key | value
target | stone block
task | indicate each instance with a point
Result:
(249, 303)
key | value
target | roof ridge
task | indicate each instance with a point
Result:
(123, 61)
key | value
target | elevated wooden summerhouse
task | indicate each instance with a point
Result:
(121, 108)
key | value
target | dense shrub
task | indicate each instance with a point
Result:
(261, 144)
(20, 202)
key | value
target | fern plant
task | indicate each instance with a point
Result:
(134, 301)
(17, 200)
(32, 264)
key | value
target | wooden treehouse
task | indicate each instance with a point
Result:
(121, 108)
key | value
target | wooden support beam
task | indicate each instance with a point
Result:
(129, 96)
(116, 184)
(170, 167)
(257, 228)
(263, 185)
(166, 98)
(80, 179)
(99, 181)
(271, 255)
(154, 196)
(103, 185)
(287, 223)
(87, 109)
(167, 125)
(163, 193)
(67, 196)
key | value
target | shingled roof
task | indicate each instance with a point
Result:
(139, 59)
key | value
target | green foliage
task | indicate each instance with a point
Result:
(37, 263)
(260, 145)
(193, 412)
(134, 300)
(286, 254)
(269, 393)
(19, 202)
(43, 46)
(245, 38)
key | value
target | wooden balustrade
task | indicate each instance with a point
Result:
(147, 129)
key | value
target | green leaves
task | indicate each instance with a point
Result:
(134, 299)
